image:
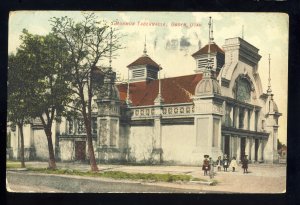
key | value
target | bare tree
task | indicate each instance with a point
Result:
(89, 41)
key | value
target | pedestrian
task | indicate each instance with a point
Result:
(225, 162)
(205, 166)
(233, 164)
(245, 164)
(219, 163)
(211, 168)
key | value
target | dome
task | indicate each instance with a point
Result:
(208, 86)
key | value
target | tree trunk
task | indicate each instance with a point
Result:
(52, 164)
(22, 158)
(92, 158)
(87, 123)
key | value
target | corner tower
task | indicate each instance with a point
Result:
(208, 112)
(272, 115)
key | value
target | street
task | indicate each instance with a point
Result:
(262, 178)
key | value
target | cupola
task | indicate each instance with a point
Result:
(216, 55)
(143, 68)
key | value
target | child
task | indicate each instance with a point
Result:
(225, 163)
(233, 164)
(205, 166)
(245, 164)
(219, 163)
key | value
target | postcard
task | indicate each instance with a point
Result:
(147, 102)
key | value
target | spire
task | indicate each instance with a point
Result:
(128, 101)
(212, 31)
(159, 100)
(269, 79)
(145, 47)
(110, 48)
(208, 68)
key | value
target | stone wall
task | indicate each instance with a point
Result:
(178, 143)
(40, 144)
(140, 143)
(67, 149)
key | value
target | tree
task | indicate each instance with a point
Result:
(47, 74)
(18, 88)
(88, 42)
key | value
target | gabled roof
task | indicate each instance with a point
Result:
(213, 49)
(144, 60)
(174, 90)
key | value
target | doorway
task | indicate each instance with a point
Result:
(80, 150)
(227, 145)
(256, 145)
(243, 146)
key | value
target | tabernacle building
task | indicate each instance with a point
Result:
(220, 108)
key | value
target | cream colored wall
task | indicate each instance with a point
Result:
(67, 150)
(178, 143)
(140, 143)
(40, 144)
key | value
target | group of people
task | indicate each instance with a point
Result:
(208, 164)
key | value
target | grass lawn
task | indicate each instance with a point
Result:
(13, 165)
(113, 174)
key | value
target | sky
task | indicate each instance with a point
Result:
(171, 38)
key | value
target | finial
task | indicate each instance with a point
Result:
(212, 31)
(243, 32)
(110, 48)
(209, 42)
(128, 101)
(159, 99)
(269, 80)
(145, 47)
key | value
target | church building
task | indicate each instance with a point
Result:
(220, 108)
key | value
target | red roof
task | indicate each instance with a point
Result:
(174, 90)
(213, 49)
(144, 60)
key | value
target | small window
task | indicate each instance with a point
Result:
(81, 127)
(94, 125)
(70, 130)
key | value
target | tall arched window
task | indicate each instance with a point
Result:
(242, 91)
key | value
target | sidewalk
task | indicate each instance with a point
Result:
(260, 179)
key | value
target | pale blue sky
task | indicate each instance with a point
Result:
(267, 31)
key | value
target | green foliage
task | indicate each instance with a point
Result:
(12, 165)
(49, 68)
(279, 145)
(119, 175)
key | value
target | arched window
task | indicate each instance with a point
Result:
(242, 90)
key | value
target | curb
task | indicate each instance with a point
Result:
(202, 182)
(17, 169)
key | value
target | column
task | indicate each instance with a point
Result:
(237, 119)
(231, 116)
(157, 141)
(232, 146)
(259, 152)
(238, 148)
(252, 120)
(252, 149)
(247, 147)
(246, 119)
